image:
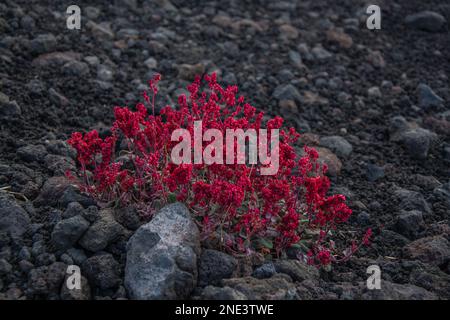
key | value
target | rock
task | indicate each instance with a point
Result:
(340, 37)
(51, 191)
(151, 63)
(72, 194)
(289, 32)
(278, 287)
(297, 270)
(14, 220)
(265, 271)
(43, 43)
(67, 232)
(427, 98)
(32, 152)
(5, 267)
(331, 160)
(374, 172)
(84, 293)
(76, 68)
(8, 108)
(78, 256)
(55, 59)
(395, 291)
(225, 293)
(47, 279)
(189, 71)
(215, 266)
(374, 92)
(128, 217)
(57, 98)
(320, 53)
(102, 270)
(426, 20)
(287, 92)
(102, 31)
(101, 233)
(340, 146)
(434, 250)
(73, 209)
(410, 224)
(104, 73)
(162, 256)
(412, 200)
(417, 142)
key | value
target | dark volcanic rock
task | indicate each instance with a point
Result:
(215, 266)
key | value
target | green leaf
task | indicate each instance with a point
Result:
(266, 243)
(172, 198)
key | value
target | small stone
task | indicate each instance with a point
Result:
(426, 20)
(101, 233)
(340, 37)
(67, 232)
(102, 271)
(287, 92)
(374, 172)
(76, 68)
(215, 266)
(43, 43)
(418, 141)
(104, 73)
(189, 71)
(32, 153)
(412, 200)
(265, 271)
(5, 267)
(410, 224)
(78, 256)
(73, 209)
(297, 270)
(151, 63)
(14, 220)
(374, 92)
(427, 97)
(331, 160)
(320, 53)
(339, 145)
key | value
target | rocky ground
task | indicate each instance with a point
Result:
(374, 102)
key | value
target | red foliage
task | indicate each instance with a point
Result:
(251, 212)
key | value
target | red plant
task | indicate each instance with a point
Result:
(246, 210)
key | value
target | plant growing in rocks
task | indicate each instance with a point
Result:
(246, 211)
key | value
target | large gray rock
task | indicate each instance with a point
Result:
(14, 220)
(162, 256)
(434, 250)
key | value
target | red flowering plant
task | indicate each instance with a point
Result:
(245, 210)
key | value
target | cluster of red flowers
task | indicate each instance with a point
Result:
(248, 211)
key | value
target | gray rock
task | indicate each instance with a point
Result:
(102, 232)
(225, 293)
(102, 270)
(43, 43)
(67, 232)
(287, 92)
(297, 270)
(14, 220)
(8, 108)
(278, 287)
(32, 152)
(73, 209)
(72, 194)
(374, 172)
(151, 63)
(76, 68)
(320, 53)
(265, 271)
(434, 250)
(78, 256)
(162, 256)
(47, 279)
(427, 97)
(339, 145)
(410, 223)
(5, 267)
(426, 20)
(412, 200)
(104, 73)
(417, 141)
(215, 266)
(128, 217)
